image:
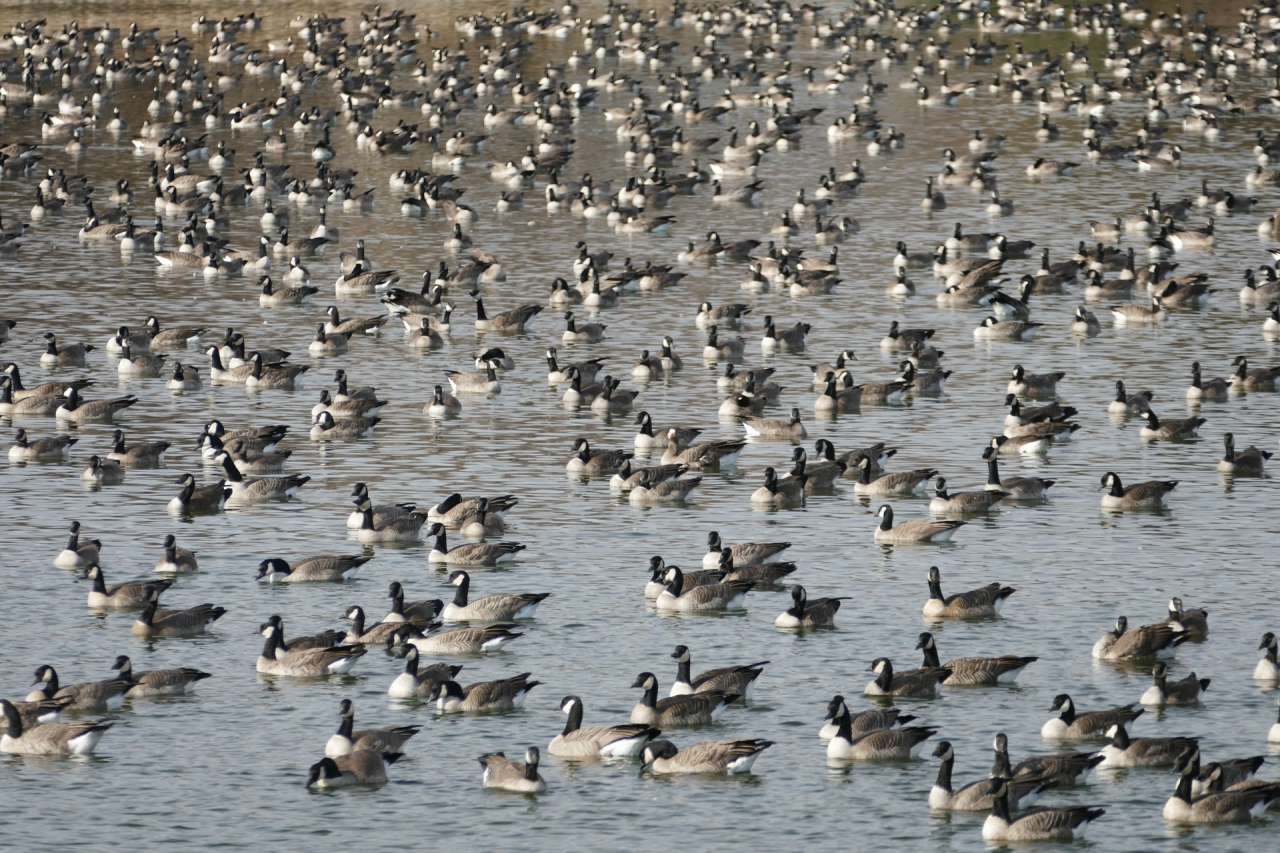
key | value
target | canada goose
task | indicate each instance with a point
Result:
(576, 742)
(142, 453)
(899, 483)
(303, 660)
(803, 613)
(1147, 641)
(31, 404)
(1268, 669)
(491, 608)
(1015, 488)
(792, 339)
(1033, 384)
(1194, 621)
(1051, 824)
(401, 528)
(706, 456)
(176, 560)
(976, 796)
(723, 595)
(1231, 775)
(1124, 751)
(725, 313)
(454, 510)
(1249, 461)
(1239, 803)
(1071, 726)
(1156, 429)
(276, 376)
(587, 461)
(415, 611)
(773, 428)
(482, 523)
(122, 595)
(984, 601)
(915, 530)
(184, 378)
(381, 512)
(730, 679)
(420, 682)
(715, 349)
(322, 568)
(648, 439)
(744, 553)
(1131, 314)
(175, 623)
(507, 694)
(49, 738)
(102, 472)
(211, 498)
(507, 775)
(916, 683)
(1025, 445)
(157, 682)
(1126, 404)
(1043, 168)
(346, 741)
(327, 343)
(259, 488)
(80, 411)
(974, 672)
(628, 478)
(52, 449)
(863, 722)
(881, 744)
(1185, 692)
(514, 320)
(1085, 323)
(362, 767)
(72, 355)
(91, 696)
(712, 757)
(963, 503)
(142, 366)
(474, 554)
(789, 492)
(458, 641)
(442, 405)
(657, 584)
(1245, 378)
(690, 709)
(1153, 494)
(651, 491)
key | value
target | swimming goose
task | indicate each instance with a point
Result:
(102, 472)
(927, 383)
(716, 349)
(402, 528)
(647, 438)
(1127, 404)
(963, 503)
(915, 683)
(420, 683)
(628, 478)
(381, 512)
(32, 404)
(157, 682)
(721, 595)
(903, 339)
(184, 378)
(454, 510)
(1051, 824)
(1153, 494)
(33, 714)
(303, 660)
(1060, 768)
(45, 389)
(1185, 692)
(491, 608)
(482, 523)
(821, 475)
(175, 623)
(327, 343)
(803, 613)
(792, 339)
(863, 722)
(142, 453)
(80, 411)
(442, 405)
(652, 492)
(176, 560)
(1071, 726)
(1156, 429)
(658, 578)
(71, 355)
(322, 568)
(1033, 384)
(587, 461)
(500, 772)
(259, 488)
(1268, 669)
(576, 742)
(1245, 378)
(458, 641)
(49, 738)
(1238, 803)
(77, 555)
(142, 366)
(1129, 313)
(1147, 641)
(91, 696)
(976, 796)
(774, 428)
(588, 333)
(730, 679)
(122, 595)
(883, 744)
(915, 530)
(1249, 461)
(725, 313)
(507, 694)
(53, 449)
(345, 741)
(415, 611)
(789, 492)
(514, 320)
(275, 376)
(1124, 751)
(473, 554)
(974, 672)
(380, 632)
(743, 554)
(1194, 621)
(211, 498)
(713, 757)
(1016, 488)
(899, 483)
(1234, 774)
(1085, 323)
(690, 709)
(984, 601)
(706, 456)
(362, 767)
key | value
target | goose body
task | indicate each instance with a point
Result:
(1163, 692)
(1147, 641)
(708, 597)
(89, 697)
(914, 683)
(579, 742)
(888, 744)
(1045, 824)
(507, 694)
(914, 530)
(1124, 751)
(362, 767)
(713, 757)
(51, 738)
(692, 709)
(1071, 726)
(491, 608)
(157, 682)
(974, 672)
(523, 778)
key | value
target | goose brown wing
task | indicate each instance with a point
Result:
(982, 597)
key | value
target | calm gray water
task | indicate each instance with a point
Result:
(225, 766)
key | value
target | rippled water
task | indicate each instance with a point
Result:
(225, 767)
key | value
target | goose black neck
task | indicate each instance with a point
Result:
(930, 657)
(1000, 768)
(269, 648)
(650, 697)
(149, 614)
(683, 672)
(844, 726)
(885, 678)
(944, 774)
(464, 588)
(442, 544)
(993, 471)
(886, 523)
(1000, 804)
(347, 724)
(935, 589)
(480, 311)
(357, 623)
(574, 722)
(366, 517)
(1183, 791)
(1068, 714)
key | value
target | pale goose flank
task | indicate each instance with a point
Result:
(507, 694)
(803, 613)
(1147, 641)
(576, 742)
(1070, 726)
(713, 757)
(500, 772)
(728, 679)
(157, 682)
(121, 595)
(913, 530)
(327, 567)
(1186, 691)
(95, 697)
(976, 603)
(973, 672)
(175, 623)
(887, 744)
(491, 608)
(1044, 824)
(690, 709)
(49, 738)
(913, 683)
(346, 741)
(362, 767)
